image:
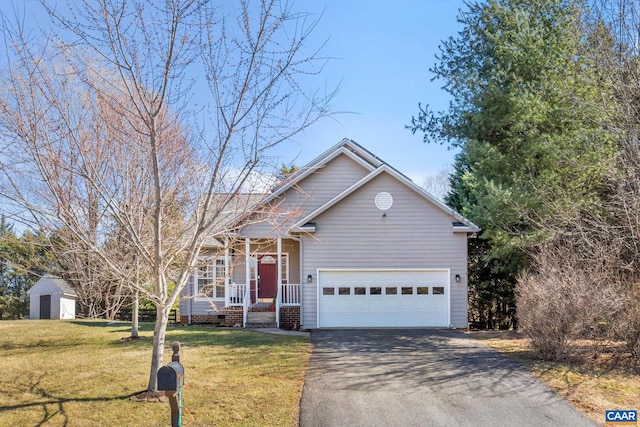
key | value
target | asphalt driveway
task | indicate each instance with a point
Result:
(418, 377)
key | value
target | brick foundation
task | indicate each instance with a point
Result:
(232, 316)
(261, 309)
(213, 319)
(290, 318)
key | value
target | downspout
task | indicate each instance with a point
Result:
(279, 283)
(301, 240)
(190, 294)
(247, 293)
(227, 278)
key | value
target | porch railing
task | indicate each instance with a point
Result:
(291, 294)
(237, 293)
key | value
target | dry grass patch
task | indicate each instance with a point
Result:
(591, 384)
(83, 374)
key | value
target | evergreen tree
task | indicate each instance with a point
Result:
(527, 115)
(23, 260)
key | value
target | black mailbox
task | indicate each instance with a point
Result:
(171, 377)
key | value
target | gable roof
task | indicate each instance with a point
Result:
(375, 166)
(59, 282)
(348, 147)
(462, 224)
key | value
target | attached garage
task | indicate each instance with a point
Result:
(383, 298)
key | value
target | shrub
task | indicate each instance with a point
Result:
(562, 299)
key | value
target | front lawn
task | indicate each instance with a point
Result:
(592, 385)
(81, 373)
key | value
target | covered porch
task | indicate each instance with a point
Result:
(263, 276)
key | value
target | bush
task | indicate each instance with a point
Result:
(561, 300)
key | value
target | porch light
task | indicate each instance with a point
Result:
(457, 278)
(309, 278)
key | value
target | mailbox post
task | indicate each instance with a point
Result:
(171, 381)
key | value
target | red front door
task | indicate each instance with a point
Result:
(268, 274)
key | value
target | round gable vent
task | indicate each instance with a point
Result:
(384, 201)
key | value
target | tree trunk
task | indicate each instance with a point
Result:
(162, 318)
(134, 315)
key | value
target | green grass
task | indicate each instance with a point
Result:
(80, 373)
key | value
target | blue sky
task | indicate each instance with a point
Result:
(382, 53)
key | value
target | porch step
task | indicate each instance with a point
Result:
(261, 319)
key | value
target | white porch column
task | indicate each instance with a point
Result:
(227, 280)
(247, 265)
(279, 283)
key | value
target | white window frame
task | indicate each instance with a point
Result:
(284, 272)
(253, 268)
(253, 265)
(219, 281)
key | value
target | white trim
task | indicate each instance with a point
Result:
(346, 146)
(303, 229)
(465, 229)
(395, 174)
(227, 274)
(383, 201)
(439, 270)
(268, 259)
(257, 255)
(279, 279)
(247, 264)
(196, 273)
(318, 295)
(302, 280)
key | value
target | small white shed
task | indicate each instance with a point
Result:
(52, 298)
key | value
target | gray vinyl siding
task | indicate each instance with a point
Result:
(415, 233)
(309, 194)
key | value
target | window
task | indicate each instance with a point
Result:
(285, 269)
(209, 277)
(375, 290)
(253, 268)
(391, 291)
(220, 277)
(359, 291)
(328, 291)
(204, 279)
(407, 290)
(438, 290)
(422, 290)
(344, 291)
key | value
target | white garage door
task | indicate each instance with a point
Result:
(383, 298)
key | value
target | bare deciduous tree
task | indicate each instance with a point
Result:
(106, 145)
(437, 184)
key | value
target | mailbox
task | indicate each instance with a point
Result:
(171, 377)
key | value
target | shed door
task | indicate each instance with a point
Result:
(383, 298)
(45, 306)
